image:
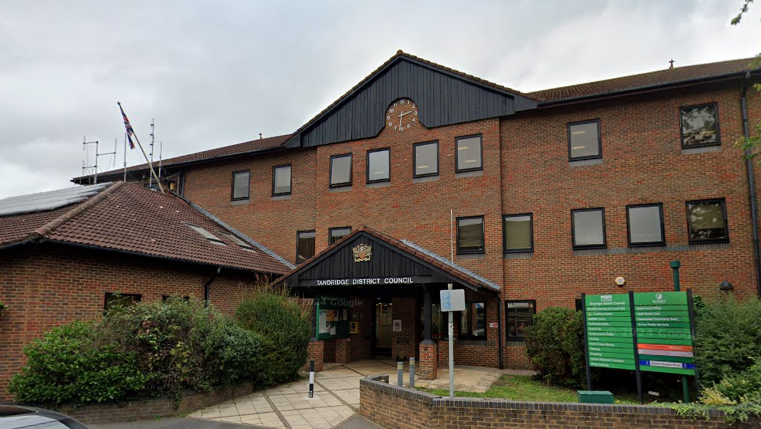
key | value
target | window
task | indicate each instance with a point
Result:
(584, 140)
(114, 300)
(335, 234)
(206, 234)
(281, 180)
(238, 241)
(518, 234)
(426, 159)
(240, 185)
(438, 330)
(645, 224)
(340, 170)
(473, 321)
(470, 234)
(700, 125)
(588, 228)
(707, 221)
(468, 156)
(304, 246)
(519, 315)
(378, 165)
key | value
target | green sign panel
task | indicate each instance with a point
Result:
(661, 324)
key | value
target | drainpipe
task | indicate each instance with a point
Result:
(751, 187)
(208, 283)
(500, 303)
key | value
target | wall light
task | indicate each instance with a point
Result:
(725, 286)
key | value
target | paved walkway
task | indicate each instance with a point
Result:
(336, 397)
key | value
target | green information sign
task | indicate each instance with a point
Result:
(661, 325)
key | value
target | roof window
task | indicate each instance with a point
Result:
(206, 234)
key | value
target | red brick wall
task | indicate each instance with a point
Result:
(47, 286)
(362, 312)
(403, 408)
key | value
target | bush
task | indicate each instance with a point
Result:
(739, 388)
(555, 346)
(70, 364)
(728, 338)
(285, 328)
(146, 349)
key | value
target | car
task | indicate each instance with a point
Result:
(17, 417)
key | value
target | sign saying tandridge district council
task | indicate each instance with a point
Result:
(661, 342)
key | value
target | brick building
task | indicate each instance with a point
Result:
(546, 195)
(70, 254)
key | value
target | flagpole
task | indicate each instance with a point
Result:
(150, 164)
(125, 157)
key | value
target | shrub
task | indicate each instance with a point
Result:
(71, 364)
(146, 349)
(285, 328)
(728, 338)
(742, 387)
(555, 346)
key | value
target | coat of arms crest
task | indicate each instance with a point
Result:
(362, 252)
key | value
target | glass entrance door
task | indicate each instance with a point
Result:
(383, 321)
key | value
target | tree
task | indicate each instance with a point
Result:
(748, 144)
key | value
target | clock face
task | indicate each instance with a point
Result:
(401, 115)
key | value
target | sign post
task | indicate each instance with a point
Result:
(451, 301)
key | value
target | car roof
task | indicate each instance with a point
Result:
(16, 416)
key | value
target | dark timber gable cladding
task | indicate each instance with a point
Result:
(444, 97)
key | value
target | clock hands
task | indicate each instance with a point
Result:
(400, 117)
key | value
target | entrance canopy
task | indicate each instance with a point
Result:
(369, 260)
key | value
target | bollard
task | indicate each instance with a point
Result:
(400, 373)
(412, 372)
(311, 379)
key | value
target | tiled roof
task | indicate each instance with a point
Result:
(456, 271)
(220, 152)
(127, 217)
(673, 76)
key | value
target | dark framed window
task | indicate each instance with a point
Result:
(304, 245)
(644, 223)
(700, 125)
(114, 300)
(335, 234)
(588, 228)
(468, 156)
(584, 141)
(281, 180)
(378, 165)
(707, 221)
(519, 316)
(340, 170)
(438, 328)
(470, 235)
(240, 185)
(518, 233)
(473, 321)
(425, 159)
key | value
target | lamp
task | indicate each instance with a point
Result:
(725, 286)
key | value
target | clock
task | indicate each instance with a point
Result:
(401, 115)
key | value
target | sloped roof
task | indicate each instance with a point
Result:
(677, 75)
(463, 275)
(252, 146)
(127, 217)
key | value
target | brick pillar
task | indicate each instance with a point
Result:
(427, 368)
(404, 343)
(343, 350)
(315, 352)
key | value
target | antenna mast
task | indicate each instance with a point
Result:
(93, 167)
(153, 135)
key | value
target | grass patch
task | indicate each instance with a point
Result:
(523, 388)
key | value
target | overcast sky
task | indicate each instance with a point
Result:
(214, 73)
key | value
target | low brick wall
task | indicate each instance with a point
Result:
(152, 408)
(399, 407)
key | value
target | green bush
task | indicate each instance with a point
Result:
(285, 328)
(70, 364)
(146, 349)
(728, 338)
(555, 346)
(739, 388)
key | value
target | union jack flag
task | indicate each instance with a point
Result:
(128, 127)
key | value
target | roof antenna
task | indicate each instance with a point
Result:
(672, 64)
(260, 136)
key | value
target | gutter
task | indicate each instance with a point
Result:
(751, 186)
(500, 303)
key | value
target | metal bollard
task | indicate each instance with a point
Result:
(311, 379)
(400, 373)
(412, 372)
